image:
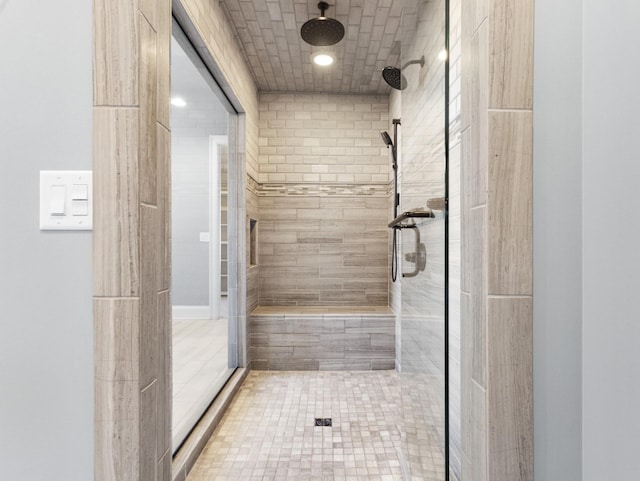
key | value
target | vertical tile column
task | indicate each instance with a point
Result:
(131, 161)
(496, 298)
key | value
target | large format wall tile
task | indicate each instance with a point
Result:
(116, 352)
(511, 60)
(466, 367)
(115, 188)
(306, 340)
(115, 53)
(320, 250)
(149, 323)
(164, 205)
(148, 112)
(479, 117)
(510, 202)
(478, 268)
(116, 437)
(149, 8)
(479, 429)
(164, 390)
(465, 233)
(510, 396)
(163, 29)
(148, 415)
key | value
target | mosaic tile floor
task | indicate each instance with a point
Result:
(269, 433)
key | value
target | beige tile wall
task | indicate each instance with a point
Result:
(323, 250)
(323, 138)
(496, 240)
(313, 339)
(323, 200)
(131, 240)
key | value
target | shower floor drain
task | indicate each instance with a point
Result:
(323, 422)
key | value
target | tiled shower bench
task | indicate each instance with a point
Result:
(296, 338)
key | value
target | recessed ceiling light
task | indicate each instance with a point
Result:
(323, 58)
(178, 102)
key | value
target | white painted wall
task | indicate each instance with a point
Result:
(557, 221)
(586, 240)
(189, 217)
(46, 325)
(611, 241)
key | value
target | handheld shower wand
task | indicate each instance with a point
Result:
(393, 145)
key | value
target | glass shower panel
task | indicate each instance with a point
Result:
(422, 252)
(204, 336)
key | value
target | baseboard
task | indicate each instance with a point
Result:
(191, 312)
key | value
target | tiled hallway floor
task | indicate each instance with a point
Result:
(268, 433)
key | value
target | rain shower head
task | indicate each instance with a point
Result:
(386, 139)
(394, 78)
(393, 75)
(322, 31)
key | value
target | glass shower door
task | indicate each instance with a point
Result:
(204, 335)
(422, 254)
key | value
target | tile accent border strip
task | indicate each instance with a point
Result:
(318, 189)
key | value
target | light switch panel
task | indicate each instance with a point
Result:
(79, 207)
(79, 192)
(66, 200)
(58, 199)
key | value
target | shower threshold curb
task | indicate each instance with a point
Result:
(186, 457)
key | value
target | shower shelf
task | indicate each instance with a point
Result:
(396, 223)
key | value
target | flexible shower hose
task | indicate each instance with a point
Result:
(394, 256)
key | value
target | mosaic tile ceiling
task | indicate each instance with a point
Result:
(269, 32)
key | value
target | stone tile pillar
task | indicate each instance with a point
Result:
(496, 299)
(131, 162)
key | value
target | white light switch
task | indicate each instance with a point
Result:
(79, 207)
(66, 198)
(58, 199)
(79, 192)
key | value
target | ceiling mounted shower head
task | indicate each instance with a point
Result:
(394, 78)
(393, 75)
(322, 31)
